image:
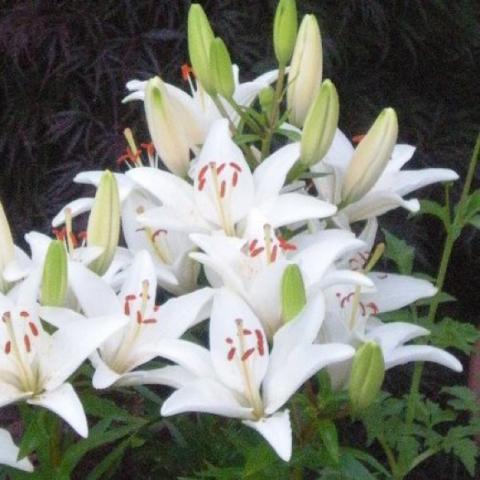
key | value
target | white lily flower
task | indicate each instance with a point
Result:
(176, 272)
(240, 378)
(9, 453)
(197, 111)
(253, 267)
(117, 359)
(36, 364)
(225, 191)
(389, 190)
(352, 318)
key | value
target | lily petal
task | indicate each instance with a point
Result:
(277, 431)
(205, 395)
(422, 353)
(9, 453)
(65, 403)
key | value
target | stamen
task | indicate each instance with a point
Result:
(24, 314)
(149, 321)
(231, 354)
(229, 340)
(257, 251)
(220, 168)
(260, 342)
(33, 329)
(8, 347)
(273, 255)
(247, 354)
(236, 166)
(223, 189)
(28, 345)
(139, 317)
(234, 179)
(186, 71)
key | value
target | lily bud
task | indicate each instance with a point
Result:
(103, 228)
(285, 27)
(7, 249)
(305, 73)
(266, 97)
(366, 377)
(320, 125)
(221, 69)
(200, 36)
(293, 293)
(55, 275)
(371, 157)
(167, 133)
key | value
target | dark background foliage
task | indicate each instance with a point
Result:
(65, 63)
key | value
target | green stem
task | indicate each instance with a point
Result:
(452, 235)
(244, 116)
(267, 141)
(223, 112)
(422, 457)
(390, 456)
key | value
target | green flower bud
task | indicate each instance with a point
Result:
(221, 69)
(320, 125)
(305, 75)
(200, 36)
(7, 249)
(103, 228)
(366, 377)
(370, 157)
(285, 27)
(168, 134)
(293, 293)
(266, 97)
(55, 275)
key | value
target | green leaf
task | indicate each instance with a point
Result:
(475, 221)
(110, 462)
(450, 333)
(399, 252)
(429, 207)
(472, 206)
(328, 434)
(98, 407)
(292, 135)
(35, 435)
(464, 399)
(467, 451)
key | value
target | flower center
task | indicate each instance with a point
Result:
(249, 343)
(19, 347)
(222, 180)
(135, 156)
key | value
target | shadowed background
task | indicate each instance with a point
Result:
(64, 67)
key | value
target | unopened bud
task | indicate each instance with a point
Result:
(305, 75)
(103, 228)
(200, 36)
(266, 97)
(320, 125)
(55, 275)
(366, 377)
(7, 248)
(166, 131)
(293, 293)
(370, 157)
(221, 69)
(285, 27)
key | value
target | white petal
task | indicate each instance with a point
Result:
(277, 431)
(59, 317)
(10, 394)
(392, 335)
(204, 395)
(39, 244)
(235, 331)
(340, 152)
(303, 362)
(65, 403)
(104, 376)
(421, 353)
(397, 291)
(330, 245)
(9, 453)
(343, 277)
(67, 353)
(77, 207)
(295, 207)
(89, 288)
(167, 187)
(303, 329)
(19, 267)
(171, 376)
(270, 175)
(411, 180)
(190, 356)
(177, 315)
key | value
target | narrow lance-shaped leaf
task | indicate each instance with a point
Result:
(104, 222)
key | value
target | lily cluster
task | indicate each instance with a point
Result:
(273, 250)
